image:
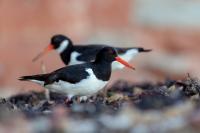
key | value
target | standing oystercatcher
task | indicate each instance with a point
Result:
(83, 79)
(76, 54)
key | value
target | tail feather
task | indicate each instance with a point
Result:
(41, 77)
(144, 50)
(137, 49)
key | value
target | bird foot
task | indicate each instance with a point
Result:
(83, 99)
(69, 100)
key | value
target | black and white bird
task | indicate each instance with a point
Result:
(77, 54)
(83, 79)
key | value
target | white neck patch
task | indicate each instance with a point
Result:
(63, 46)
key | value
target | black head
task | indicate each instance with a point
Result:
(109, 54)
(59, 42)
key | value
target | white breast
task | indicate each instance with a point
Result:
(73, 58)
(126, 56)
(85, 87)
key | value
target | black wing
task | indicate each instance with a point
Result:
(88, 52)
(71, 74)
(139, 49)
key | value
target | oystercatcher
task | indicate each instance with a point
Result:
(83, 79)
(76, 54)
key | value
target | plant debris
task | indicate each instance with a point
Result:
(124, 107)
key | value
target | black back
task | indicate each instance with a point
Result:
(88, 52)
(75, 73)
(71, 74)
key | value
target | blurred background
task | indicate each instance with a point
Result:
(170, 27)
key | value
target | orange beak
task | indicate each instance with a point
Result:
(120, 60)
(46, 50)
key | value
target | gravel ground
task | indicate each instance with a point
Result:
(172, 106)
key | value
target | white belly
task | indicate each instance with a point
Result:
(85, 87)
(126, 56)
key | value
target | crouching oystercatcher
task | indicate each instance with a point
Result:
(77, 54)
(83, 79)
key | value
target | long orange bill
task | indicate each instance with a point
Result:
(120, 60)
(46, 50)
